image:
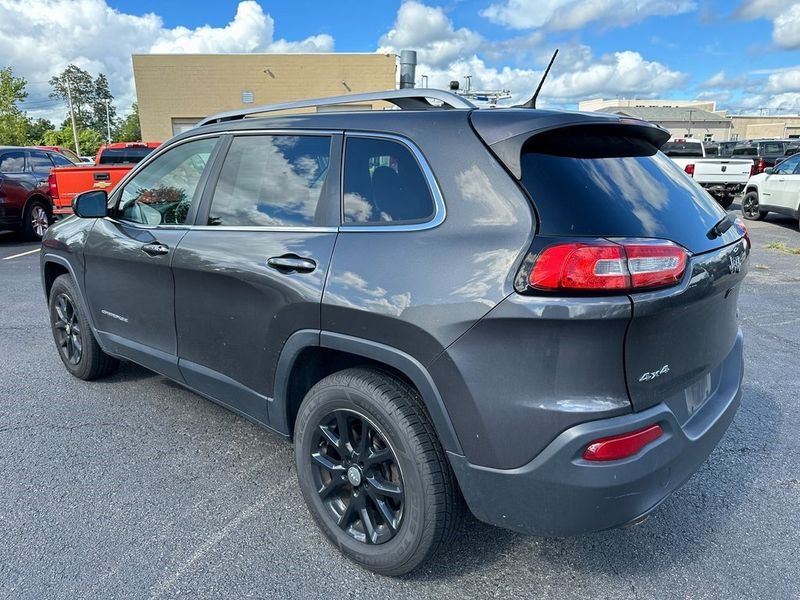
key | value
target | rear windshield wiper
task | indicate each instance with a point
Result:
(720, 228)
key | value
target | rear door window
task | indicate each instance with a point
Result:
(61, 161)
(585, 183)
(12, 162)
(383, 184)
(271, 181)
(40, 162)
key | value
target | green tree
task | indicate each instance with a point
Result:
(102, 100)
(81, 88)
(37, 130)
(129, 129)
(89, 139)
(14, 123)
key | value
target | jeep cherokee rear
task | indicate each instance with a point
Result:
(533, 309)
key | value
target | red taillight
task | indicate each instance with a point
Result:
(621, 446)
(760, 165)
(607, 265)
(689, 170)
(739, 225)
(53, 185)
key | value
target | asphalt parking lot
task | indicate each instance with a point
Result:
(133, 487)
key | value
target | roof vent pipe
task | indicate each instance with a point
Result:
(408, 68)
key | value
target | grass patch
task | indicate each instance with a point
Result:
(782, 247)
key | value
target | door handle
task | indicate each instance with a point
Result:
(156, 249)
(291, 263)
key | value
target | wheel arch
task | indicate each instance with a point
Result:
(52, 266)
(37, 196)
(310, 355)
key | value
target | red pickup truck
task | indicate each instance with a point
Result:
(113, 161)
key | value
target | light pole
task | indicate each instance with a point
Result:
(108, 122)
(72, 118)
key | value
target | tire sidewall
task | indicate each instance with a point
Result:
(27, 226)
(404, 545)
(760, 214)
(63, 285)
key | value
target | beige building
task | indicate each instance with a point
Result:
(602, 105)
(748, 127)
(175, 91)
(685, 122)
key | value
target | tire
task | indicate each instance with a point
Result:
(725, 201)
(425, 506)
(36, 219)
(750, 207)
(83, 358)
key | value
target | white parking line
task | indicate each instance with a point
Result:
(21, 254)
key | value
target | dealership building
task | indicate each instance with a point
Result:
(175, 91)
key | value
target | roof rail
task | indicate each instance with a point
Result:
(409, 98)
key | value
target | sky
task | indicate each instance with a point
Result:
(745, 54)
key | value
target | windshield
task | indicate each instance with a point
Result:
(123, 155)
(688, 149)
(613, 186)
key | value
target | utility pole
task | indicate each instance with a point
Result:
(689, 132)
(72, 117)
(108, 123)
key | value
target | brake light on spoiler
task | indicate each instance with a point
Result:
(605, 265)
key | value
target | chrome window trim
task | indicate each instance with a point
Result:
(310, 229)
(439, 209)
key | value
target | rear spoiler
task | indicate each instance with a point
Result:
(507, 131)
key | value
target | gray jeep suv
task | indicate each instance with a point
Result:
(528, 310)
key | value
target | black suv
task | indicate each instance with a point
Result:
(530, 310)
(765, 153)
(25, 202)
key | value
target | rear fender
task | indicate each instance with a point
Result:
(402, 362)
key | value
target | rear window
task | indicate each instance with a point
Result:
(123, 155)
(690, 149)
(589, 184)
(745, 151)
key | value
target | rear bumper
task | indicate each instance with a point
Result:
(723, 188)
(559, 493)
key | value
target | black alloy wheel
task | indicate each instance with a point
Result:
(372, 471)
(358, 477)
(77, 347)
(751, 209)
(68, 330)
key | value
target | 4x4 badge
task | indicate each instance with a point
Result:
(650, 375)
(734, 263)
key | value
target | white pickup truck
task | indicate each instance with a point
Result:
(723, 178)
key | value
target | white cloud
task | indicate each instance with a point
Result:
(625, 73)
(784, 81)
(39, 39)
(785, 17)
(786, 28)
(574, 14)
(446, 53)
(720, 81)
(430, 31)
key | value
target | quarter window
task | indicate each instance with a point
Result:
(383, 184)
(162, 192)
(271, 181)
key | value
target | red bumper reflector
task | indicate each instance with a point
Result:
(621, 446)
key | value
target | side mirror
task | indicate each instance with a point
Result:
(769, 170)
(91, 204)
